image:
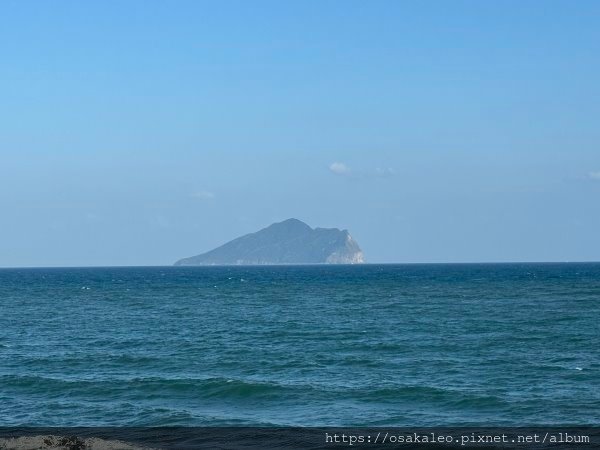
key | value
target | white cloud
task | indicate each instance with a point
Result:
(594, 175)
(339, 168)
(203, 195)
(385, 172)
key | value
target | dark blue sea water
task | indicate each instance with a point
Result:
(396, 345)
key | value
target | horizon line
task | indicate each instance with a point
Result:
(298, 265)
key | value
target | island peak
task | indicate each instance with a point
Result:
(288, 242)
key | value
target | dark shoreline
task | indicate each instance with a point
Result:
(183, 438)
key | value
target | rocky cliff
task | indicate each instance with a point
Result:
(288, 242)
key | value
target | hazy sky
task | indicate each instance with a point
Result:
(141, 132)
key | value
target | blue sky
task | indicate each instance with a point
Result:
(141, 132)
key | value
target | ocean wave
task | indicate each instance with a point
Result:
(146, 388)
(429, 394)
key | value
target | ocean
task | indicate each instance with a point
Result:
(367, 345)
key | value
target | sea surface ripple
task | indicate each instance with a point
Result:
(369, 345)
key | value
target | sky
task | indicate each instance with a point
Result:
(141, 132)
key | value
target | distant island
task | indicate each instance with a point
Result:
(288, 242)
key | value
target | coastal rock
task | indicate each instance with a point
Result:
(51, 442)
(288, 242)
